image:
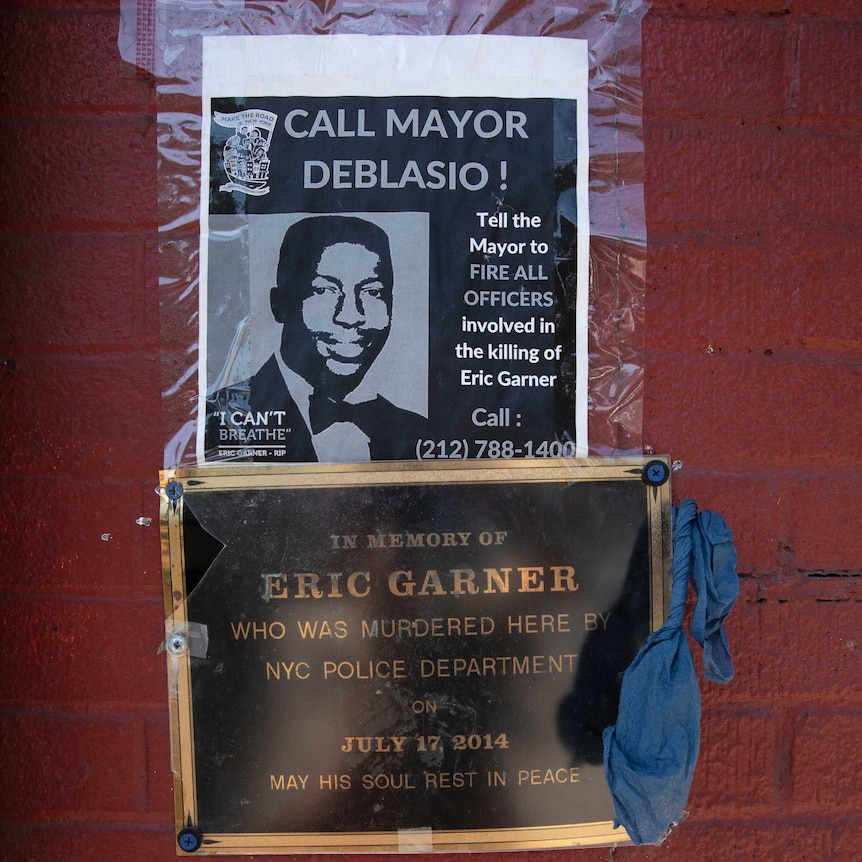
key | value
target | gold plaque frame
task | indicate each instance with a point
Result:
(202, 826)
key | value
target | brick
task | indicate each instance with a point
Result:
(84, 416)
(616, 345)
(179, 405)
(43, 6)
(772, 8)
(754, 296)
(830, 70)
(740, 70)
(829, 316)
(835, 10)
(75, 653)
(737, 750)
(791, 585)
(179, 144)
(826, 761)
(846, 840)
(778, 523)
(828, 524)
(89, 842)
(91, 174)
(768, 10)
(702, 410)
(54, 44)
(732, 295)
(795, 648)
(80, 290)
(160, 778)
(759, 180)
(178, 258)
(705, 839)
(759, 528)
(71, 767)
(587, 854)
(50, 548)
(180, 428)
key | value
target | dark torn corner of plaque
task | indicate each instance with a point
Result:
(200, 550)
(200, 547)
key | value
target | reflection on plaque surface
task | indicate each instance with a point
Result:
(377, 658)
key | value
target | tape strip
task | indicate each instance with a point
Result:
(186, 637)
(415, 840)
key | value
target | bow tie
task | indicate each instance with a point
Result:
(324, 411)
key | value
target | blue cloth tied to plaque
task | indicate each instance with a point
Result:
(651, 752)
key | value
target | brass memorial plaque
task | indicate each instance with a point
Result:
(408, 658)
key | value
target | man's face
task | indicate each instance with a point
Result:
(348, 311)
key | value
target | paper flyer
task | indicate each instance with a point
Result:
(394, 249)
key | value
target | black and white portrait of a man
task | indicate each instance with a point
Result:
(315, 398)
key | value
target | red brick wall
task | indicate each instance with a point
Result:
(753, 382)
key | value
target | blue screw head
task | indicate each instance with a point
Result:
(174, 490)
(655, 473)
(189, 839)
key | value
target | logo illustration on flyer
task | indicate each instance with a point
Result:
(246, 153)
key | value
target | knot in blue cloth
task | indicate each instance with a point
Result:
(651, 752)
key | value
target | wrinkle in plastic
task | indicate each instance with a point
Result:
(165, 38)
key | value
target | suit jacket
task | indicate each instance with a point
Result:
(232, 416)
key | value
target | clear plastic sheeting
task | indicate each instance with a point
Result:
(166, 39)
